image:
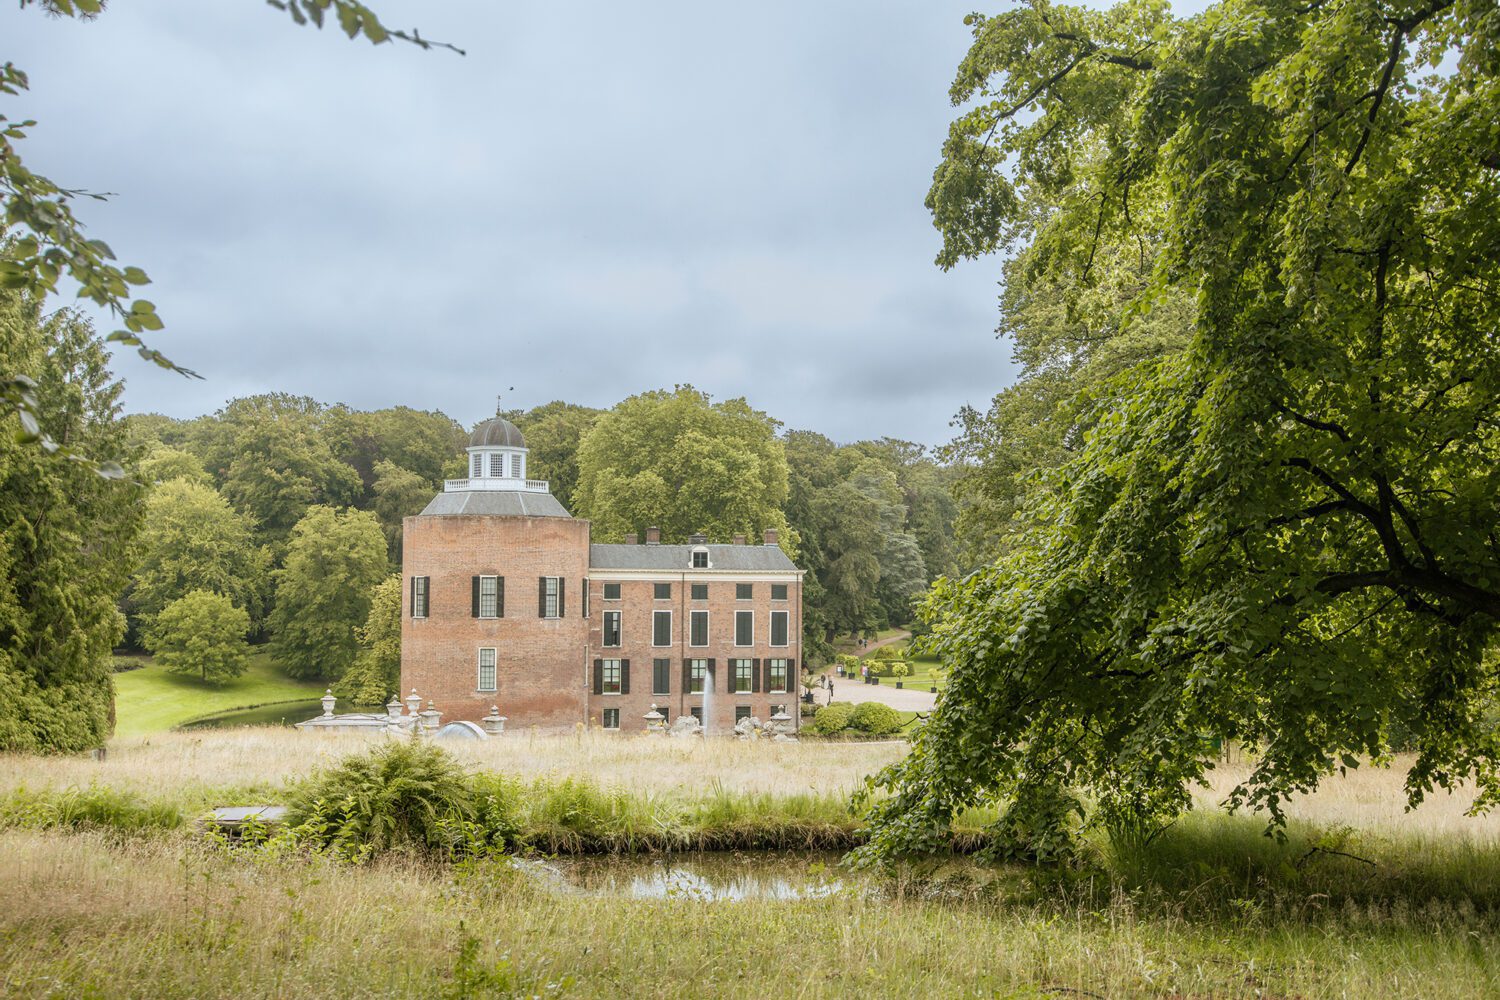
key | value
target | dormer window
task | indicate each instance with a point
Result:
(700, 559)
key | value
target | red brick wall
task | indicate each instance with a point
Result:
(636, 605)
(542, 669)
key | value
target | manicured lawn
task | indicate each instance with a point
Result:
(927, 671)
(150, 700)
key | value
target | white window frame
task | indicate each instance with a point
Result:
(693, 559)
(476, 465)
(695, 586)
(619, 630)
(497, 465)
(656, 587)
(771, 635)
(708, 631)
(694, 677)
(494, 666)
(426, 590)
(604, 718)
(744, 645)
(786, 675)
(619, 669)
(750, 596)
(494, 597)
(552, 604)
(604, 592)
(784, 597)
(516, 465)
(654, 615)
(748, 665)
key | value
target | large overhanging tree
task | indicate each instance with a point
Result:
(1287, 534)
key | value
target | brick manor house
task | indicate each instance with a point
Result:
(507, 602)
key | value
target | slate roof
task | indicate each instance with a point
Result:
(501, 502)
(675, 557)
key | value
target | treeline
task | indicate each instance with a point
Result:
(290, 511)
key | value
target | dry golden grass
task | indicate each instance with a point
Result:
(192, 765)
(1373, 798)
(166, 764)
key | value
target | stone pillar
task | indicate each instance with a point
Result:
(494, 723)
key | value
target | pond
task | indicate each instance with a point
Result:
(704, 877)
(287, 713)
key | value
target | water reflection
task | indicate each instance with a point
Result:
(287, 713)
(706, 877)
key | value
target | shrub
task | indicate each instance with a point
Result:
(86, 809)
(892, 668)
(832, 718)
(399, 794)
(498, 809)
(876, 719)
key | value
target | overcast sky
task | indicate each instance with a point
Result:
(599, 199)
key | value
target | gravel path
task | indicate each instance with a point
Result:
(854, 691)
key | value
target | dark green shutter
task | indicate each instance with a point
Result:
(474, 608)
(708, 678)
(598, 676)
(541, 597)
(624, 676)
(499, 597)
(412, 607)
(761, 685)
(687, 676)
(561, 607)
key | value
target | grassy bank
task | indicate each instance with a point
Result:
(109, 890)
(148, 699)
(88, 916)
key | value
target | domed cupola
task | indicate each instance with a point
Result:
(497, 460)
(497, 433)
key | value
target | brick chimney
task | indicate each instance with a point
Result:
(739, 539)
(630, 538)
(653, 536)
(772, 537)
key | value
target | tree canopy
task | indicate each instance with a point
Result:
(1283, 533)
(334, 560)
(201, 634)
(678, 461)
(376, 672)
(193, 540)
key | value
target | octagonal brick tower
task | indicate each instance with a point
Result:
(493, 606)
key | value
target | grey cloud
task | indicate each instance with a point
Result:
(602, 198)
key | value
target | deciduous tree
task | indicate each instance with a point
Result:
(201, 634)
(679, 461)
(1284, 534)
(193, 540)
(376, 673)
(334, 560)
